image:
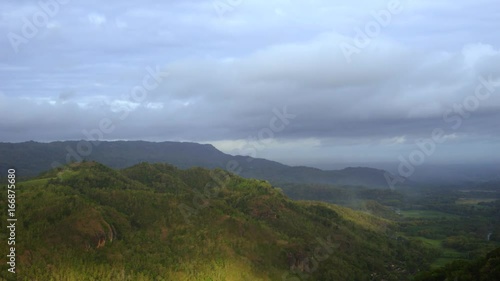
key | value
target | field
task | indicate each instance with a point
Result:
(474, 201)
(448, 255)
(432, 224)
(427, 214)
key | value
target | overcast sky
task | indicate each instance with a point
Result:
(316, 81)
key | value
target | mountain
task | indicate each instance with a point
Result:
(86, 221)
(31, 158)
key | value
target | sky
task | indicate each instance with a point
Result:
(311, 82)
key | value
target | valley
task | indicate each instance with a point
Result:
(85, 221)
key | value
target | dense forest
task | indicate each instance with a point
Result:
(156, 222)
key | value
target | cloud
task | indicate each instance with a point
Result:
(229, 72)
(97, 19)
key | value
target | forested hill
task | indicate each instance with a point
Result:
(156, 222)
(31, 158)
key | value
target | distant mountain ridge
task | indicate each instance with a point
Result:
(31, 158)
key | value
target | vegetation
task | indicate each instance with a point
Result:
(483, 269)
(458, 230)
(156, 222)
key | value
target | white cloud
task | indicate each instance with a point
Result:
(154, 105)
(474, 53)
(96, 19)
(123, 105)
(394, 141)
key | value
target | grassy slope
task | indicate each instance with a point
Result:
(155, 222)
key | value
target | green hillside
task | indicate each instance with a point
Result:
(156, 222)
